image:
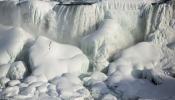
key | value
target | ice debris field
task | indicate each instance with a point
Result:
(87, 50)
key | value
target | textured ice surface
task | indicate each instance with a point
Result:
(100, 45)
(17, 70)
(47, 47)
(12, 42)
(71, 87)
(56, 59)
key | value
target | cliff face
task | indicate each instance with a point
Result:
(115, 48)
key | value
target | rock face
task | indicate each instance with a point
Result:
(56, 59)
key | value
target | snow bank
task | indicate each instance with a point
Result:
(52, 59)
(141, 60)
(12, 42)
(107, 40)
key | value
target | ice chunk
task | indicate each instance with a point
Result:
(17, 70)
(98, 90)
(30, 79)
(94, 78)
(42, 88)
(13, 83)
(28, 91)
(11, 91)
(52, 59)
(70, 86)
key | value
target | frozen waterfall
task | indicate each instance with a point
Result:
(87, 50)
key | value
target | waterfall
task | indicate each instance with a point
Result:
(68, 24)
(77, 21)
(9, 13)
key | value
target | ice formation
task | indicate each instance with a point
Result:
(56, 59)
(87, 49)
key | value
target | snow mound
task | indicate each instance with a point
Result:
(52, 59)
(127, 74)
(132, 63)
(12, 42)
(107, 40)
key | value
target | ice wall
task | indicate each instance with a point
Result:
(106, 32)
(161, 31)
(67, 24)
(74, 22)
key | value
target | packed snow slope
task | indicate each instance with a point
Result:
(87, 50)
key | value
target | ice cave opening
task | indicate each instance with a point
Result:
(87, 49)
